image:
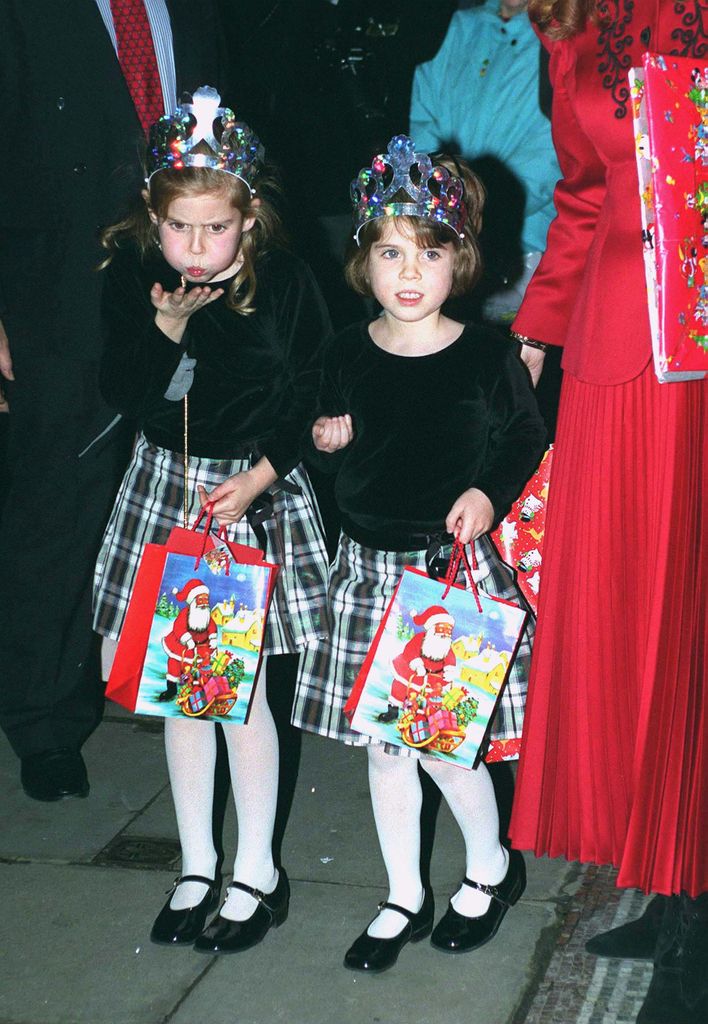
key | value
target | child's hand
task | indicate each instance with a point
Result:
(175, 308)
(330, 433)
(232, 498)
(470, 516)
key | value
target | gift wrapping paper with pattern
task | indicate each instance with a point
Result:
(670, 116)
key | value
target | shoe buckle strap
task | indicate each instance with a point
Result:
(256, 893)
(261, 897)
(489, 890)
(408, 914)
(211, 882)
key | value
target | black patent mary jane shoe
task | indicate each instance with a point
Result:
(181, 927)
(456, 933)
(224, 936)
(376, 955)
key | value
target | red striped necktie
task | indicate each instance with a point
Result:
(136, 55)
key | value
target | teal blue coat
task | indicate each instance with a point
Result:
(480, 93)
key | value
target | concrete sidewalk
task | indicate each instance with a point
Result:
(82, 881)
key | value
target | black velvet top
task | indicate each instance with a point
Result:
(426, 428)
(255, 379)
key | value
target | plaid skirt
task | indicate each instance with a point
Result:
(361, 585)
(149, 504)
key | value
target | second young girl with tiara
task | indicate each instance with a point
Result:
(434, 430)
(199, 298)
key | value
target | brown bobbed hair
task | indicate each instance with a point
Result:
(167, 185)
(427, 234)
(560, 19)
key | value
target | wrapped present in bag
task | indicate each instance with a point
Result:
(519, 536)
(437, 666)
(181, 650)
(670, 111)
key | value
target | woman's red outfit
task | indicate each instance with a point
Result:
(615, 761)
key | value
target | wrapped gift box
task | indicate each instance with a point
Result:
(421, 730)
(198, 700)
(443, 720)
(670, 112)
(405, 719)
(218, 665)
(216, 686)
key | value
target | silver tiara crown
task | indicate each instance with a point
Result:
(404, 183)
(173, 138)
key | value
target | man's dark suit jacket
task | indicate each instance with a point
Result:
(71, 163)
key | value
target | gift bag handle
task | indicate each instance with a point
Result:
(459, 555)
(208, 511)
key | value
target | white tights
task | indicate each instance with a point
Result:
(253, 765)
(396, 797)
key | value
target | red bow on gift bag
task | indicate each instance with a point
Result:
(192, 639)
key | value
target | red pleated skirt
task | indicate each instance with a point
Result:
(614, 763)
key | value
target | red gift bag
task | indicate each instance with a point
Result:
(439, 701)
(519, 536)
(192, 638)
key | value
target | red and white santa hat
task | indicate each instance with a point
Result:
(191, 589)
(432, 616)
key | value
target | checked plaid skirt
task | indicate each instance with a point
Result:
(149, 504)
(361, 584)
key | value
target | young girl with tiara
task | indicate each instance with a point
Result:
(200, 298)
(435, 430)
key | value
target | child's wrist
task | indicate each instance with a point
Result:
(172, 327)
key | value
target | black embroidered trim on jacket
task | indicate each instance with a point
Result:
(613, 41)
(692, 36)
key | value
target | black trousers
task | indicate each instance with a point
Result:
(55, 507)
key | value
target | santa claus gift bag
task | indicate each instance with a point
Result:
(437, 666)
(191, 642)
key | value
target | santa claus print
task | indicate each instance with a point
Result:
(193, 634)
(427, 662)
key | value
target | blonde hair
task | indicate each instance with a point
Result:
(560, 19)
(427, 234)
(168, 185)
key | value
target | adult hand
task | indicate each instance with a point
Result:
(533, 359)
(470, 516)
(175, 308)
(330, 433)
(5, 367)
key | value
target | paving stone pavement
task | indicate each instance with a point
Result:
(576, 988)
(82, 880)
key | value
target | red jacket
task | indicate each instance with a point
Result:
(589, 292)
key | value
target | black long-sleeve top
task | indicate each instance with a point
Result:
(256, 377)
(426, 428)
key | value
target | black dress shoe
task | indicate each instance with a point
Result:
(181, 927)
(678, 993)
(456, 933)
(224, 936)
(635, 940)
(54, 775)
(375, 955)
